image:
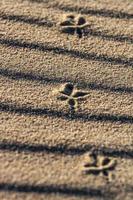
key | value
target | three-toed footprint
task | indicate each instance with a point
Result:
(97, 164)
(73, 24)
(68, 93)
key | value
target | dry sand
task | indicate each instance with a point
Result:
(42, 146)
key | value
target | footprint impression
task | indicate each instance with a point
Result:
(97, 164)
(72, 24)
(69, 94)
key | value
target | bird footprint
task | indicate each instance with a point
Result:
(72, 24)
(96, 165)
(69, 94)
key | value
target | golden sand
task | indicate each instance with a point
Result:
(44, 140)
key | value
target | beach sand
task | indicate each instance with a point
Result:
(43, 145)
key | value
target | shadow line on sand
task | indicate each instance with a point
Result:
(55, 189)
(27, 19)
(19, 75)
(83, 10)
(73, 53)
(62, 149)
(104, 36)
(97, 12)
(124, 119)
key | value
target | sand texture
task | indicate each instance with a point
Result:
(61, 141)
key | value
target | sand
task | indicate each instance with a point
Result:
(43, 145)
